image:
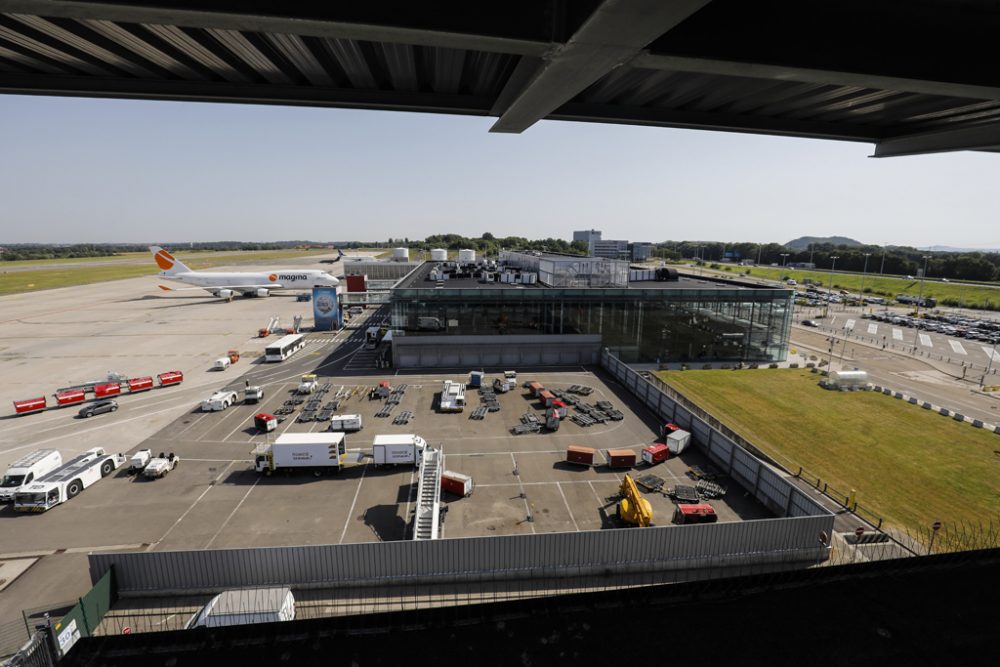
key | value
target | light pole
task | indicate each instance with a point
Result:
(861, 293)
(923, 275)
(760, 246)
(833, 266)
(881, 270)
(989, 366)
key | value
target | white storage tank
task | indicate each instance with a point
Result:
(439, 255)
(466, 256)
(401, 255)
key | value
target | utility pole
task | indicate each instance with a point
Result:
(861, 293)
(833, 266)
(920, 298)
(881, 271)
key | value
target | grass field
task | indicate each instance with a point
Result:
(912, 466)
(970, 295)
(130, 265)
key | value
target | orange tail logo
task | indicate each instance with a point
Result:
(164, 260)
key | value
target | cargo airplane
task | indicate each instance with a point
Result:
(227, 284)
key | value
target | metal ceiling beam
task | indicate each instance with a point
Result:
(713, 121)
(246, 93)
(613, 34)
(83, 10)
(670, 63)
(985, 137)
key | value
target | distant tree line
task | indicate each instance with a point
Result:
(490, 245)
(895, 260)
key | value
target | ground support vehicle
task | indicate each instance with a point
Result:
(452, 397)
(160, 466)
(307, 385)
(318, 452)
(27, 469)
(695, 513)
(633, 508)
(253, 394)
(678, 441)
(655, 453)
(265, 422)
(67, 481)
(347, 423)
(580, 455)
(139, 461)
(456, 483)
(220, 400)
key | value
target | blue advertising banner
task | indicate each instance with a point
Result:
(326, 309)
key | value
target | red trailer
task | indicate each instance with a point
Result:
(264, 422)
(170, 377)
(30, 405)
(105, 390)
(581, 455)
(546, 397)
(668, 429)
(700, 513)
(620, 458)
(560, 408)
(535, 388)
(655, 453)
(456, 483)
(71, 397)
(140, 384)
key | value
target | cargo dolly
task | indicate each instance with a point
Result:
(479, 413)
(403, 418)
(710, 489)
(651, 483)
(683, 493)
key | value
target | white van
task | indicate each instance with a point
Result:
(221, 364)
(26, 469)
(245, 606)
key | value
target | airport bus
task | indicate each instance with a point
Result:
(284, 348)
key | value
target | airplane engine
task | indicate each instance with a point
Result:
(262, 292)
(226, 294)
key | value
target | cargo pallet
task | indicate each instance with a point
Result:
(403, 418)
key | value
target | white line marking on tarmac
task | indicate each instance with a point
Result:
(350, 514)
(850, 325)
(897, 334)
(956, 347)
(990, 354)
(571, 517)
(925, 340)
(873, 329)
(233, 513)
(188, 510)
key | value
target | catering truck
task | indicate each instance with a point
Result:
(318, 452)
(397, 449)
(67, 481)
(26, 470)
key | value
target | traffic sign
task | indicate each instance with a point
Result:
(859, 531)
(126, 630)
(936, 525)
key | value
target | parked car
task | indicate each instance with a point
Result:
(809, 323)
(98, 408)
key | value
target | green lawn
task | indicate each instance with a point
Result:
(910, 465)
(17, 282)
(970, 295)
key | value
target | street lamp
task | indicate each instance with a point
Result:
(923, 275)
(861, 293)
(881, 270)
(784, 257)
(832, 267)
(982, 381)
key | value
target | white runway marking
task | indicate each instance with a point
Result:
(956, 347)
(897, 334)
(850, 325)
(988, 351)
(925, 340)
(873, 329)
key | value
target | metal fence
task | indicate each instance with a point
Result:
(544, 556)
(750, 467)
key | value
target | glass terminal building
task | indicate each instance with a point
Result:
(680, 320)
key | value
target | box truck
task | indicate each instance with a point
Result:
(397, 449)
(67, 481)
(221, 364)
(245, 606)
(318, 452)
(26, 470)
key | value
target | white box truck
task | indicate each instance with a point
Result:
(221, 364)
(245, 606)
(678, 441)
(348, 423)
(397, 449)
(318, 452)
(26, 470)
(67, 481)
(220, 400)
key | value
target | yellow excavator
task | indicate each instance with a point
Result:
(633, 508)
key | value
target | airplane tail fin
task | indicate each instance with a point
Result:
(340, 253)
(169, 264)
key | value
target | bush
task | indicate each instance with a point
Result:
(793, 365)
(773, 366)
(706, 367)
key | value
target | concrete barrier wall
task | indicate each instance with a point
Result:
(738, 544)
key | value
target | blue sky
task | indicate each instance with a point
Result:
(79, 170)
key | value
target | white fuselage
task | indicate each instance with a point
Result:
(287, 279)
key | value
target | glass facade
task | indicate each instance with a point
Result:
(640, 325)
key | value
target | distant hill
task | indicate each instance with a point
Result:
(948, 248)
(802, 243)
